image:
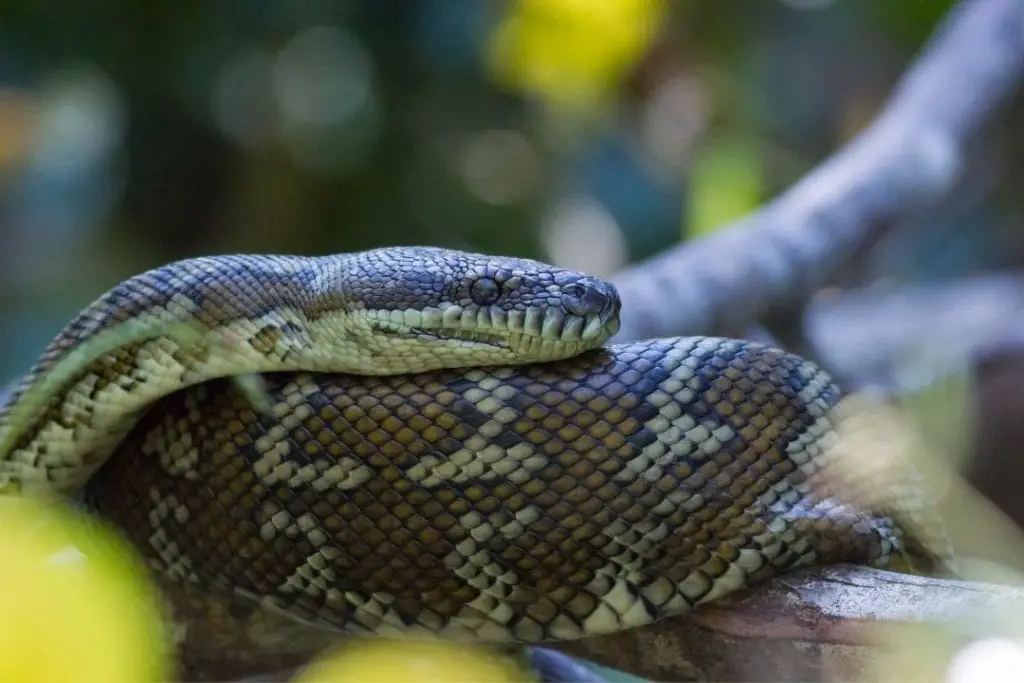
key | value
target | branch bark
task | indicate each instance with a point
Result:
(908, 157)
(865, 336)
(827, 624)
(818, 625)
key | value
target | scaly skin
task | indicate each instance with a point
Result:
(380, 312)
(508, 504)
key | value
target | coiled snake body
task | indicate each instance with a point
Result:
(526, 485)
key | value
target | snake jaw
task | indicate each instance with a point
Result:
(512, 336)
(431, 336)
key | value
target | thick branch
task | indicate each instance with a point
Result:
(908, 157)
(867, 335)
(816, 625)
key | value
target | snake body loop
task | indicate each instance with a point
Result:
(542, 502)
(446, 450)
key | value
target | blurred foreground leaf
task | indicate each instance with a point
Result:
(421, 661)
(77, 605)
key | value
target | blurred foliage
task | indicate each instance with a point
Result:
(725, 182)
(423, 661)
(103, 620)
(572, 53)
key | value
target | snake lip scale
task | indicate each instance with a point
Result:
(447, 448)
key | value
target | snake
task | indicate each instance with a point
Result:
(449, 444)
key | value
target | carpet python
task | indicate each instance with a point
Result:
(447, 447)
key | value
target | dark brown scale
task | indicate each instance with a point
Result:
(590, 423)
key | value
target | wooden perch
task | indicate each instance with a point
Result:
(818, 625)
(865, 335)
(815, 625)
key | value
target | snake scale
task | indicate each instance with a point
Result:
(449, 447)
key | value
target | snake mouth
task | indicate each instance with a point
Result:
(534, 332)
(476, 336)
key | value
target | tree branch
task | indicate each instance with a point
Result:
(908, 157)
(817, 625)
(867, 335)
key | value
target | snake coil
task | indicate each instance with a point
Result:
(447, 448)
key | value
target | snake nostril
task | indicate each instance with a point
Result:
(614, 305)
(590, 296)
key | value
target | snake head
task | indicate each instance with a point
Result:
(465, 309)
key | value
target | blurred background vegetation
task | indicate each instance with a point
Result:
(591, 134)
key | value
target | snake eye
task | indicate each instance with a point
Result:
(485, 291)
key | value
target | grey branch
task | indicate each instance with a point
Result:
(816, 625)
(907, 158)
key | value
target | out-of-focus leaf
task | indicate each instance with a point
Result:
(571, 53)
(77, 606)
(419, 661)
(725, 183)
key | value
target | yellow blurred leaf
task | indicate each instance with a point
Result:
(416, 661)
(571, 52)
(76, 606)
